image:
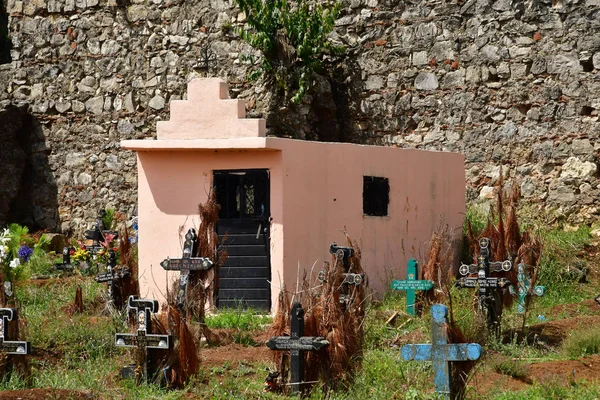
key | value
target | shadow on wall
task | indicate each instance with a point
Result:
(5, 43)
(28, 191)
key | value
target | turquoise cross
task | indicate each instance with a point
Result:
(440, 352)
(524, 288)
(411, 284)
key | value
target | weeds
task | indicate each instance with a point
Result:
(583, 342)
(513, 368)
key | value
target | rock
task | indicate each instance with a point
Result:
(426, 81)
(77, 106)
(84, 179)
(419, 58)
(124, 127)
(575, 168)
(374, 82)
(74, 160)
(582, 147)
(564, 63)
(137, 13)
(112, 162)
(560, 193)
(527, 188)
(62, 106)
(93, 46)
(110, 47)
(455, 78)
(157, 102)
(596, 61)
(95, 105)
(128, 103)
(486, 192)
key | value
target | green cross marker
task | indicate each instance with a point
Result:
(411, 284)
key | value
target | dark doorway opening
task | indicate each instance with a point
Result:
(243, 229)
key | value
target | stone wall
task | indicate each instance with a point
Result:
(509, 83)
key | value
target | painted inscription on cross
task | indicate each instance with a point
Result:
(66, 263)
(186, 264)
(297, 344)
(411, 285)
(10, 346)
(440, 352)
(143, 339)
(524, 288)
(111, 275)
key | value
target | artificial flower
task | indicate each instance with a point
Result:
(25, 252)
(15, 263)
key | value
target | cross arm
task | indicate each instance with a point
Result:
(445, 352)
(149, 341)
(193, 264)
(14, 347)
(304, 343)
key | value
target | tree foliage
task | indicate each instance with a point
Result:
(292, 36)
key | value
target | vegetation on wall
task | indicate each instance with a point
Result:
(292, 37)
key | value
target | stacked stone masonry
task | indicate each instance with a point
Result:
(508, 83)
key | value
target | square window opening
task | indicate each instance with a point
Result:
(376, 196)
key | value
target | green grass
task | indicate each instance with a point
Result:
(80, 351)
(238, 318)
(583, 342)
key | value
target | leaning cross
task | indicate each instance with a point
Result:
(142, 339)
(66, 264)
(186, 264)
(411, 284)
(441, 352)
(298, 344)
(111, 274)
(524, 287)
(486, 285)
(7, 346)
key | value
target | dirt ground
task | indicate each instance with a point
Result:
(44, 394)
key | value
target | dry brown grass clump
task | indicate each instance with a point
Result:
(128, 285)
(341, 323)
(439, 267)
(178, 364)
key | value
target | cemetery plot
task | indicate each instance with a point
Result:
(297, 344)
(143, 340)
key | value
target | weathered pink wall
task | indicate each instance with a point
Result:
(316, 192)
(170, 187)
(323, 185)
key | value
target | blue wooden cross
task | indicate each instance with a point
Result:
(440, 351)
(524, 287)
(411, 284)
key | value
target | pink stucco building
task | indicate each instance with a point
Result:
(284, 201)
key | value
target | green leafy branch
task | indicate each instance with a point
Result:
(292, 37)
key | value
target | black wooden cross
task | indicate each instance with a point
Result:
(297, 344)
(186, 264)
(66, 263)
(487, 286)
(8, 346)
(143, 339)
(111, 275)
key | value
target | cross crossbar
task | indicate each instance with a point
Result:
(440, 352)
(305, 343)
(8, 346)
